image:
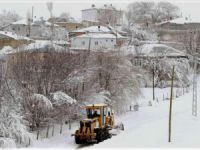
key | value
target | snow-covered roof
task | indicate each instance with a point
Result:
(99, 29)
(60, 98)
(97, 105)
(159, 50)
(94, 29)
(13, 35)
(116, 31)
(35, 22)
(21, 22)
(43, 45)
(181, 20)
(98, 35)
(60, 42)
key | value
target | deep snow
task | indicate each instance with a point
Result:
(147, 127)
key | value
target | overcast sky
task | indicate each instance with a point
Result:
(188, 7)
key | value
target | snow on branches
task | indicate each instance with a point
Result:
(60, 98)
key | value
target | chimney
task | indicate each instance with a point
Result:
(99, 28)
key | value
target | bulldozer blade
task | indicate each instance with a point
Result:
(119, 126)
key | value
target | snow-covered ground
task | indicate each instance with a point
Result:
(147, 127)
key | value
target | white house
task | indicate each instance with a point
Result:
(94, 41)
(96, 37)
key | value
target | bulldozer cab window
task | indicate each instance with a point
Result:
(104, 115)
(91, 113)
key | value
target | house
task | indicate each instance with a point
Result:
(95, 16)
(96, 37)
(12, 39)
(177, 29)
(37, 29)
(152, 51)
(69, 24)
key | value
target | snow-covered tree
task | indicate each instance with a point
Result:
(8, 17)
(37, 107)
(106, 71)
(163, 69)
(166, 11)
(140, 12)
(64, 106)
(149, 12)
(108, 15)
(13, 127)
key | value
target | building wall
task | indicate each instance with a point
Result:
(95, 43)
(69, 26)
(13, 43)
(114, 13)
(175, 32)
(90, 15)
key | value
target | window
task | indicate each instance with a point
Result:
(106, 40)
(91, 113)
(83, 42)
(111, 40)
(96, 43)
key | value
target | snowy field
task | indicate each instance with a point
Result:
(147, 127)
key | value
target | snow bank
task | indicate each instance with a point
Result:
(60, 98)
(43, 45)
(5, 50)
(7, 143)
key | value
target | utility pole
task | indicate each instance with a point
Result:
(170, 106)
(194, 98)
(32, 13)
(153, 83)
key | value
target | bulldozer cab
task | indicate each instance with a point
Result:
(100, 111)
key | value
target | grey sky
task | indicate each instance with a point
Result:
(74, 7)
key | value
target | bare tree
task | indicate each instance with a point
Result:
(50, 9)
(109, 15)
(29, 21)
(8, 17)
(167, 11)
(150, 12)
(140, 12)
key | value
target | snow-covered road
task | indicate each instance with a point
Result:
(147, 127)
